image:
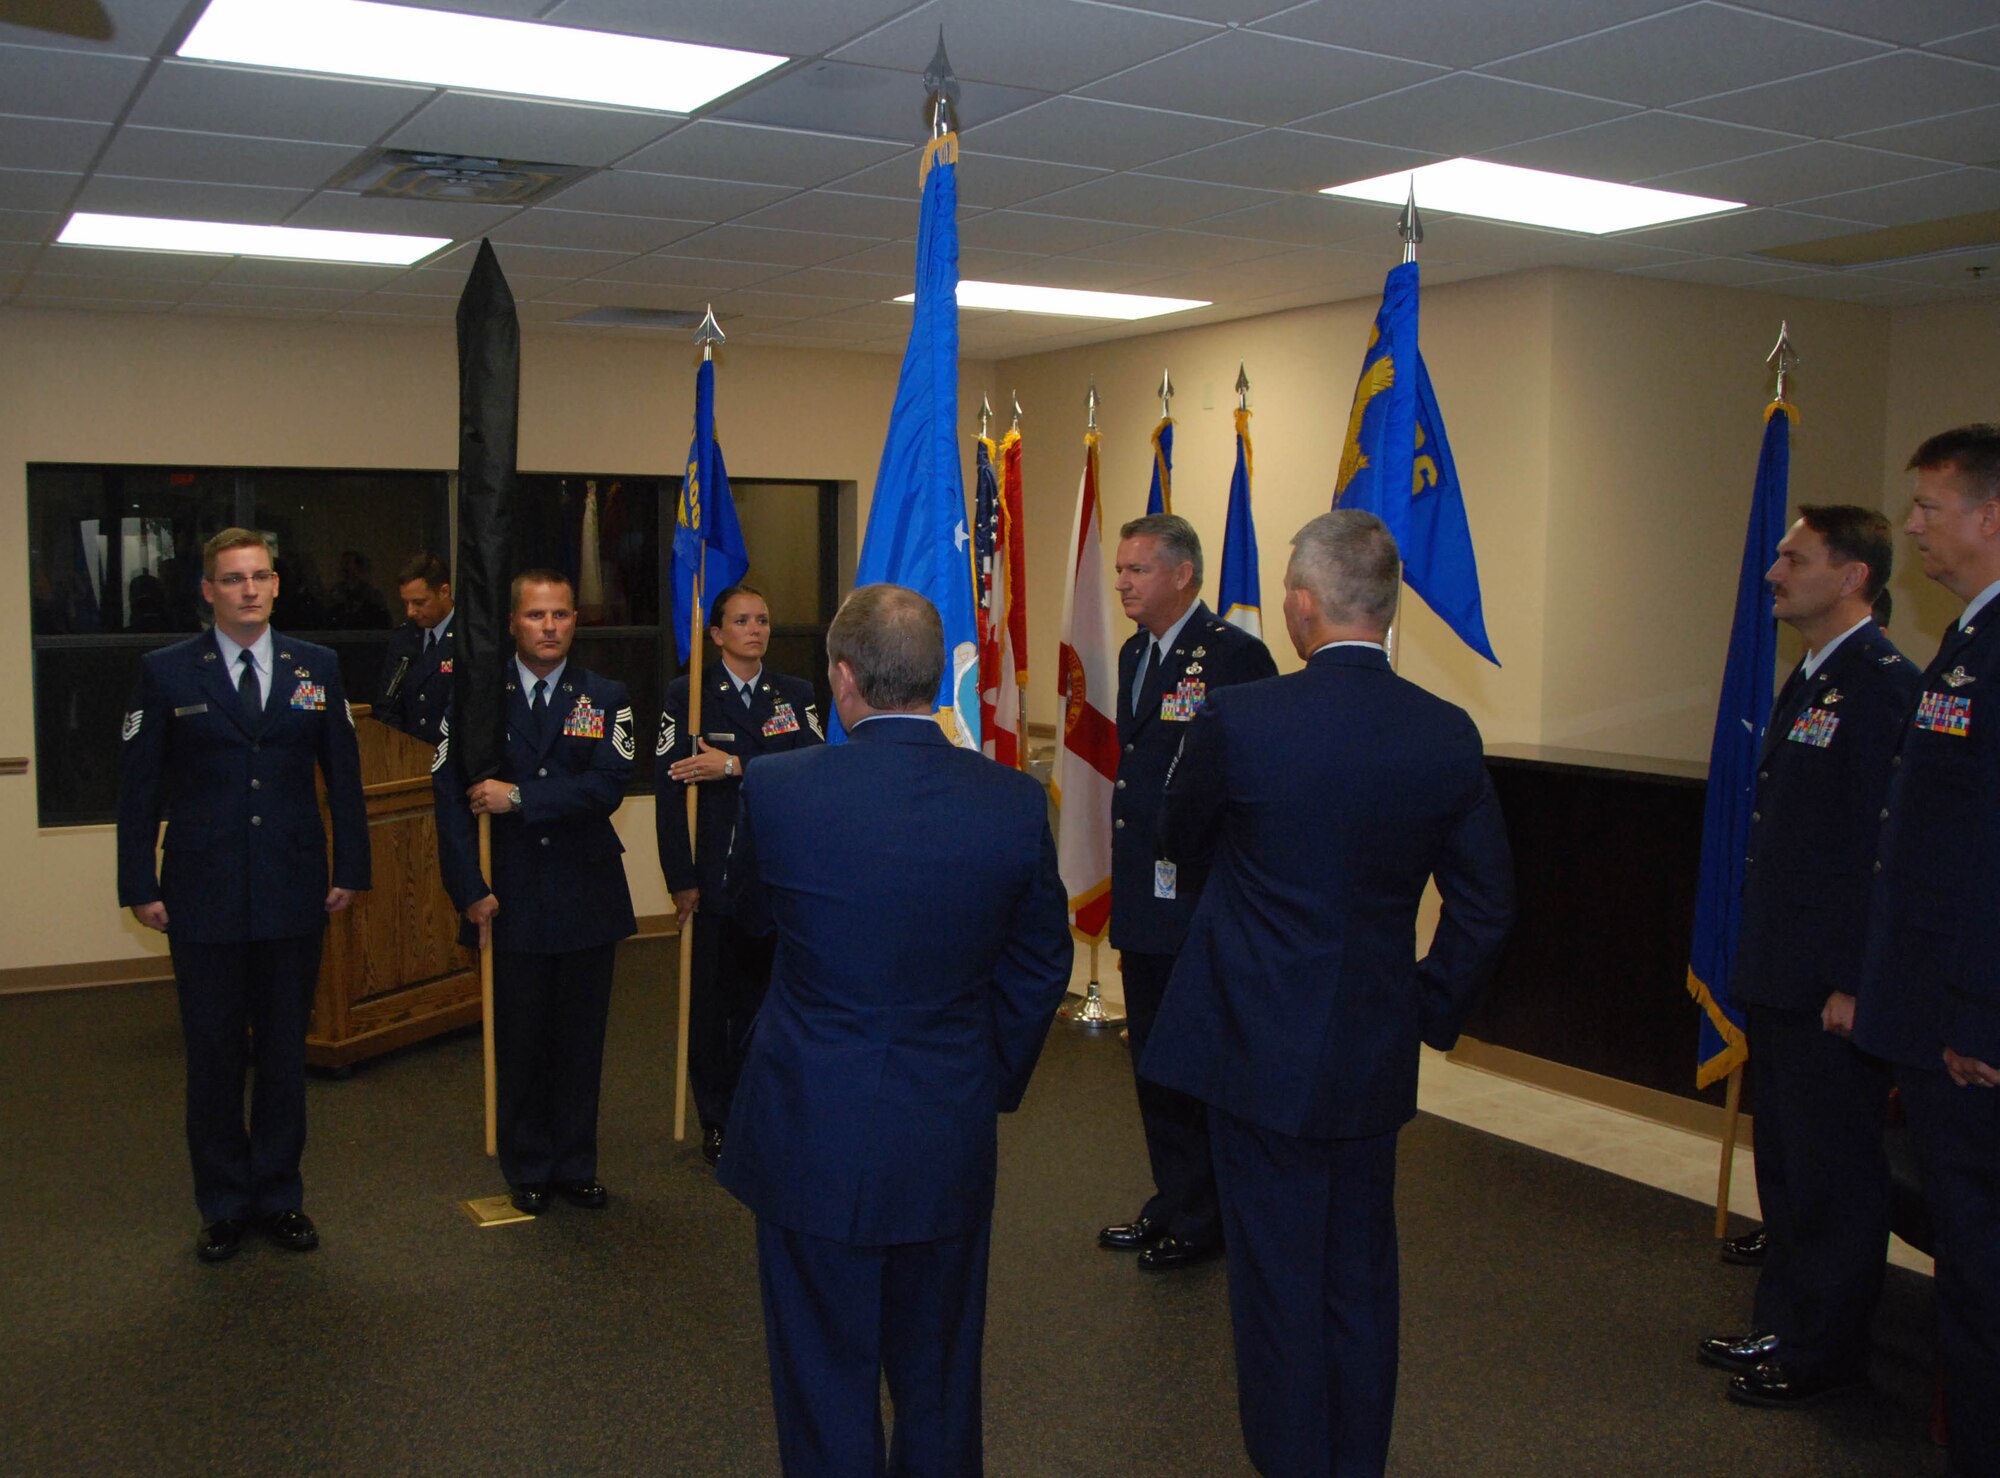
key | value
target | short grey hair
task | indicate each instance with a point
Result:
(1347, 560)
(893, 639)
(1178, 540)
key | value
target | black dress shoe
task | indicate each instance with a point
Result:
(1747, 1250)
(1739, 1352)
(532, 1200)
(291, 1230)
(589, 1194)
(1131, 1236)
(711, 1143)
(1170, 1252)
(1771, 1385)
(219, 1241)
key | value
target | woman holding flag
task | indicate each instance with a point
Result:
(746, 711)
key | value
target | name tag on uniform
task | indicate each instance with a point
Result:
(191, 710)
(1166, 880)
(1814, 726)
(585, 721)
(310, 696)
(1184, 702)
(781, 721)
(1945, 713)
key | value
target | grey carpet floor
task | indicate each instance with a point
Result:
(1549, 1310)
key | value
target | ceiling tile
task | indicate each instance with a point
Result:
(1461, 238)
(450, 282)
(116, 289)
(1687, 53)
(254, 205)
(266, 272)
(867, 102)
(855, 215)
(543, 226)
(1169, 249)
(1724, 272)
(766, 302)
(257, 295)
(1910, 22)
(989, 181)
(598, 292)
(1641, 146)
(833, 282)
(1090, 274)
(1975, 46)
(1221, 12)
(1950, 269)
(132, 266)
(1971, 137)
(762, 156)
(795, 30)
(1305, 220)
(171, 154)
(49, 143)
(708, 273)
(34, 189)
(1454, 33)
(137, 29)
(333, 210)
(1105, 135)
(1016, 230)
(15, 257)
(1148, 200)
(534, 261)
(1463, 113)
(1798, 173)
(44, 82)
(274, 105)
(1897, 88)
(1935, 197)
(407, 305)
(757, 244)
(29, 225)
(631, 192)
(1745, 231)
(1255, 78)
(517, 128)
(1284, 159)
(1058, 49)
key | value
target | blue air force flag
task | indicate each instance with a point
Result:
(1397, 465)
(709, 555)
(1240, 595)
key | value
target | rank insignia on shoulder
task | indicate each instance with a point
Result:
(1958, 677)
(133, 721)
(666, 741)
(1830, 696)
(208, 656)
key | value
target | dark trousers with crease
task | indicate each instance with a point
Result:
(1823, 1184)
(1176, 1125)
(731, 970)
(1310, 1230)
(549, 1013)
(839, 1320)
(1956, 1135)
(245, 1006)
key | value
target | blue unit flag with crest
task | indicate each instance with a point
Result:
(1397, 465)
(709, 554)
(1239, 595)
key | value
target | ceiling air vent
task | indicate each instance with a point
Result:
(401, 174)
(639, 318)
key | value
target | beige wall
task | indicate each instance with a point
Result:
(91, 387)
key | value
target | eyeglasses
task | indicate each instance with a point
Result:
(238, 581)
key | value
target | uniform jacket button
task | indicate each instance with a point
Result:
(1756, 815)
(1885, 814)
(543, 771)
(1878, 865)
(545, 841)
(256, 820)
(1119, 824)
(1121, 785)
(259, 785)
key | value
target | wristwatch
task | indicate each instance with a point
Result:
(728, 765)
(513, 797)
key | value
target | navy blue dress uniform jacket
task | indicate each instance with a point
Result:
(423, 693)
(1208, 654)
(1327, 798)
(245, 855)
(558, 866)
(922, 948)
(1821, 777)
(1932, 975)
(783, 715)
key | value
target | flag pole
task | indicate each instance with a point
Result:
(1781, 358)
(1410, 226)
(1020, 684)
(486, 1049)
(707, 336)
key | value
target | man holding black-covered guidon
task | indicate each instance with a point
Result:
(222, 740)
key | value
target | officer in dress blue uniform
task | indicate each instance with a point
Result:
(1822, 1177)
(1930, 985)
(557, 903)
(414, 693)
(746, 712)
(222, 740)
(1182, 652)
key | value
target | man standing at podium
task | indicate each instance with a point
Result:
(557, 903)
(222, 739)
(415, 691)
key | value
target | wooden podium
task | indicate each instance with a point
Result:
(393, 971)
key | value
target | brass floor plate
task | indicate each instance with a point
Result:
(493, 1211)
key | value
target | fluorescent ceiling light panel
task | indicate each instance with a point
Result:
(1532, 197)
(1064, 302)
(219, 238)
(400, 43)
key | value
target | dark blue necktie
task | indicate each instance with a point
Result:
(540, 708)
(247, 689)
